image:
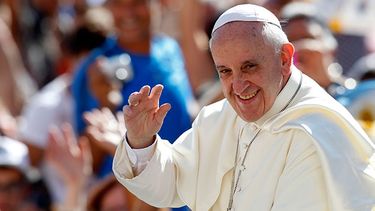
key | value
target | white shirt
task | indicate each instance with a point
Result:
(52, 106)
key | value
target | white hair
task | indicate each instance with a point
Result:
(274, 35)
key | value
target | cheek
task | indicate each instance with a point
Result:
(143, 11)
(271, 87)
(116, 12)
(226, 87)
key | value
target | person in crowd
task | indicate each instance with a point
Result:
(132, 57)
(315, 47)
(54, 104)
(275, 6)
(109, 194)
(153, 58)
(8, 124)
(17, 189)
(364, 68)
(194, 43)
(38, 37)
(192, 33)
(16, 85)
(73, 162)
(277, 142)
(360, 103)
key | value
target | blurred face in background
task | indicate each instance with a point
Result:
(48, 7)
(132, 20)
(12, 189)
(115, 200)
(311, 56)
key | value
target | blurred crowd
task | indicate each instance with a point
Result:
(68, 66)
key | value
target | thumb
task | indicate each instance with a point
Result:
(162, 112)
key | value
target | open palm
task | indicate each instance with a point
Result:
(143, 116)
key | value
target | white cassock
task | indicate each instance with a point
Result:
(309, 155)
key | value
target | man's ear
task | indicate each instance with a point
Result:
(287, 52)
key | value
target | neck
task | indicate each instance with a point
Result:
(142, 47)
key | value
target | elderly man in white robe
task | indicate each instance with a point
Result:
(277, 142)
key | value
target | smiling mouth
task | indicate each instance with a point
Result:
(247, 97)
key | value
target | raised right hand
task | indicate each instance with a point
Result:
(144, 117)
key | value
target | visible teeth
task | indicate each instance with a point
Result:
(246, 97)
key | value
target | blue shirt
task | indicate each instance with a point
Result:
(164, 65)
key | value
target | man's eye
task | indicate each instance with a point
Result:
(224, 71)
(249, 66)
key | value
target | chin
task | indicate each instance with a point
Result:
(248, 118)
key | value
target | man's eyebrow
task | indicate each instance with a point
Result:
(249, 61)
(220, 66)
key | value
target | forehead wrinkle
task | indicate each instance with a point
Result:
(229, 34)
(237, 29)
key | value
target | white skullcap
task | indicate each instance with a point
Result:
(246, 12)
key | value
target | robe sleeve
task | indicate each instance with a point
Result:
(156, 184)
(301, 185)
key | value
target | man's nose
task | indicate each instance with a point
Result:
(239, 83)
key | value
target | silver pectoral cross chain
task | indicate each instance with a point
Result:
(235, 179)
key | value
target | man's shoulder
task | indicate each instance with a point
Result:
(315, 117)
(312, 102)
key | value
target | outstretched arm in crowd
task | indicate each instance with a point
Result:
(72, 160)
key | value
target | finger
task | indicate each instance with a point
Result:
(70, 138)
(56, 145)
(108, 115)
(120, 118)
(56, 136)
(161, 113)
(94, 133)
(134, 99)
(95, 117)
(87, 116)
(119, 115)
(53, 143)
(127, 112)
(155, 94)
(84, 145)
(91, 117)
(145, 90)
